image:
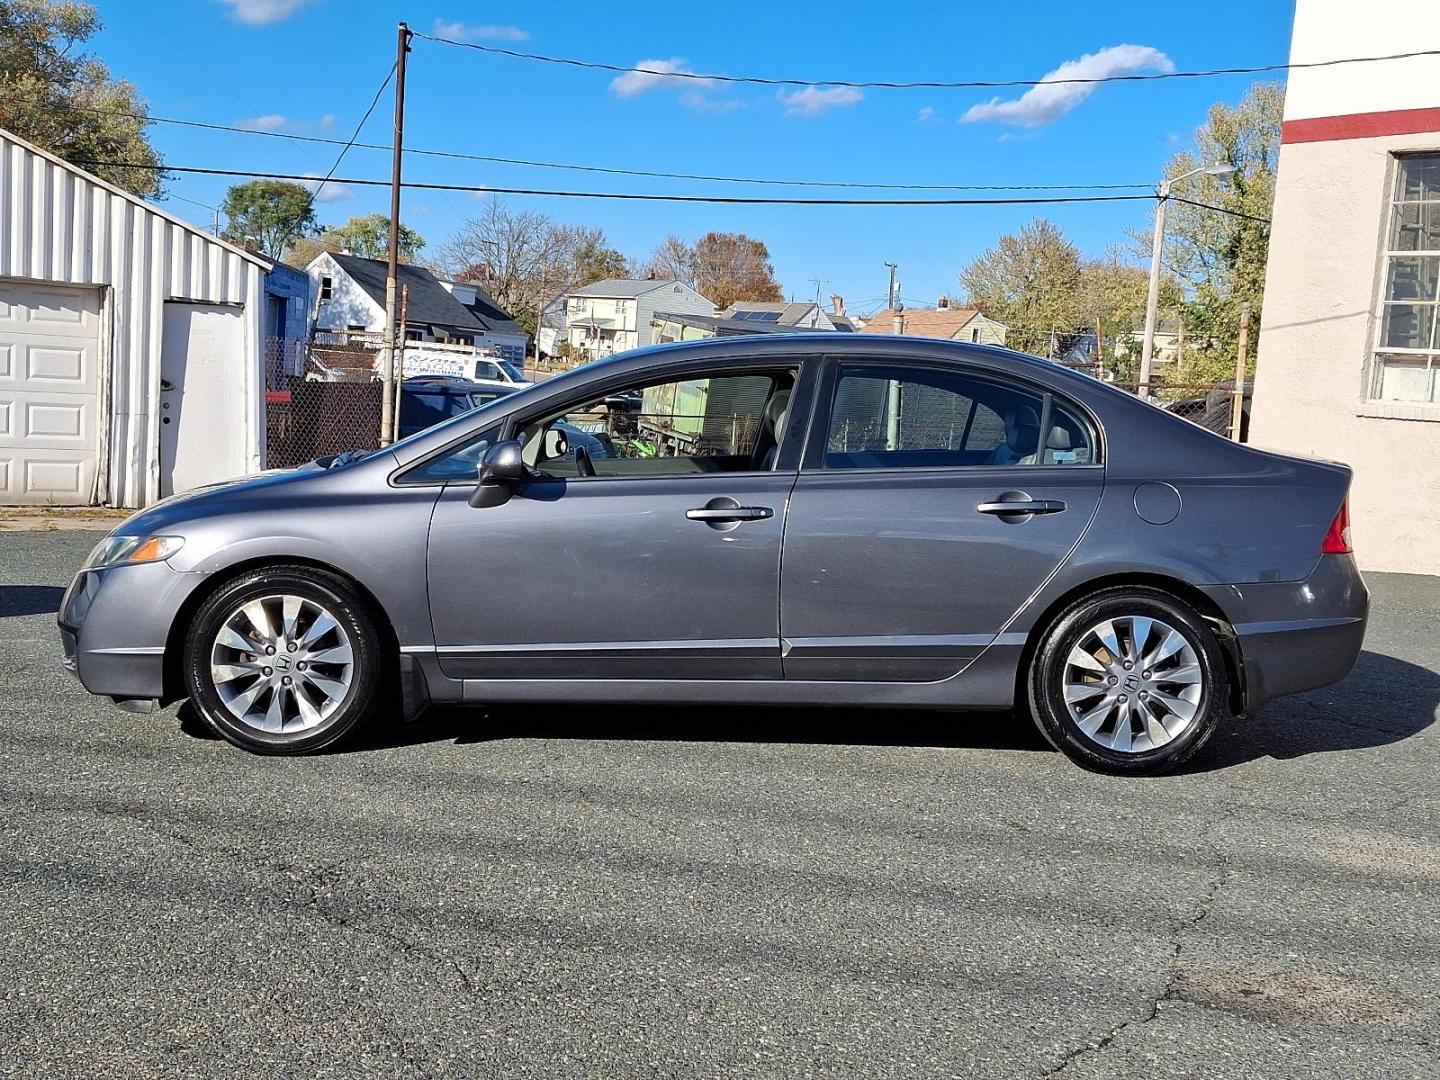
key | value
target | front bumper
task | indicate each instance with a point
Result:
(115, 623)
(1297, 635)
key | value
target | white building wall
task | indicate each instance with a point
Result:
(63, 226)
(671, 296)
(1313, 391)
(349, 305)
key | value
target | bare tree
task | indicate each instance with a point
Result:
(722, 267)
(526, 259)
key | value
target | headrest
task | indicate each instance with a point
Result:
(777, 411)
(1059, 439)
(1022, 429)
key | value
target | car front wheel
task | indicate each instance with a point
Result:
(1129, 680)
(284, 660)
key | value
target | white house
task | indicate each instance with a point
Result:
(617, 314)
(349, 295)
(130, 343)
(1348, 360)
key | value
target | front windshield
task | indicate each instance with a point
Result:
(511, 370)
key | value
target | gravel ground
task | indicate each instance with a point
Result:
(690, 893)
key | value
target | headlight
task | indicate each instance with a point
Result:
(118, 550)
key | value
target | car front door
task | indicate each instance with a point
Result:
(643, 544)
(903, 556)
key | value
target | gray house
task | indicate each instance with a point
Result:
(617, 314)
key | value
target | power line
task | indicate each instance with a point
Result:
(315, 191)
(1035, 200)
(568, 166)
(880, 84)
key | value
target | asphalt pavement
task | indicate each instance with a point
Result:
(704, 893)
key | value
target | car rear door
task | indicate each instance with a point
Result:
(925, 516)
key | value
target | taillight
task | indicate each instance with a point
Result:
(1337, 538)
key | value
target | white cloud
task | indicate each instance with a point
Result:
(280, 122)
(327, 191)
(268, 122)
(925, 115)
(263, 12)
(1051, 100)
(813, 100)
(459, 31)
(693, 99)
(657, 73)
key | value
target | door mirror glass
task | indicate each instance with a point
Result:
(557, 445)
(500, 470)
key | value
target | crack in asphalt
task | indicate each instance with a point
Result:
(1170, 990)
(316, 880)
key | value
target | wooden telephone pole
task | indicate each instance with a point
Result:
(392, 270)
(1237, 404)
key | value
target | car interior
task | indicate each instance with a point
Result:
(729, 422)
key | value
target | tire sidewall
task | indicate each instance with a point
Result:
(1047, 698)
(325, 589)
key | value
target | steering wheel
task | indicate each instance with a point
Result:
(583, 465)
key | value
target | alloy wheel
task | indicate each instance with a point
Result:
(282, 664)
(1133, 683)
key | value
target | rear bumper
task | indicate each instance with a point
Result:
(1299, 635)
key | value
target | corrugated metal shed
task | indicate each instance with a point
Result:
(60, 225)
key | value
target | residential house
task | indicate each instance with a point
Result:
(349, 297)
(130, 343)
(501, 332)
(805, 315)
(1348, 360)
(667, 326)
(287, 318)
(941, 321)
(616, 314)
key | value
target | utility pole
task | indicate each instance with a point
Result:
(400, 365)
(392, 270)
(1237, 405)
(890, 293)
(815, 315)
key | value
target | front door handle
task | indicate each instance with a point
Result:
(730, 513)
(1022, 506)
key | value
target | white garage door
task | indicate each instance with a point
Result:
(49, 393)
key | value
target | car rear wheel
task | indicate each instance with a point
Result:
(1128, 681)
(284, 660)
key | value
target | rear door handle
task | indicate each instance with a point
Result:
(730, 513)
(1023, 506)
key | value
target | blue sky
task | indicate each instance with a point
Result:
(312, 66)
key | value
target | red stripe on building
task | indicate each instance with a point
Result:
(1360, 125)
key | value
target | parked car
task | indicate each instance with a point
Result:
(426, 400)
(807, 519)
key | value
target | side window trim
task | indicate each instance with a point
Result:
(835, 367)
(807, 368)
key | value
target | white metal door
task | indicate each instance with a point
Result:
(49, 393)
(202, 396)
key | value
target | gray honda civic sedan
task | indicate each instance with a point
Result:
(809, 519)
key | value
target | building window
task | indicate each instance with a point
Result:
(1407, 353)
(326, 288)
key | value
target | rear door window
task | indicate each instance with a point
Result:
(918, 417)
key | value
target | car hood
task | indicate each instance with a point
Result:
(200, 502)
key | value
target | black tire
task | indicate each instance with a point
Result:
(357, 706)
(1048, 667)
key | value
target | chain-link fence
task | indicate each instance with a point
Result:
(321, 397)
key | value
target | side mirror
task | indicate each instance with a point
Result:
(500, 470)
(556, 444)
